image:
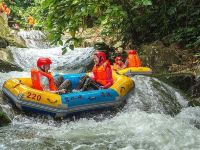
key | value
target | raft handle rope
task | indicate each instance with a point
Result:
(20, 82)
(53, 102)
(20, 96)
(91, 98)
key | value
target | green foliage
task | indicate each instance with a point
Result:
(132, 21)
(20, 10)
(71, 15)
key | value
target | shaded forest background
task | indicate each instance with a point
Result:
(131, 21)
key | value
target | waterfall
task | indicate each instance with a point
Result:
(34, 39)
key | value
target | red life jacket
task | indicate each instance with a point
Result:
(35, 76)
(133, 60)
(100, 74)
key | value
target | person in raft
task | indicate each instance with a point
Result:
(43, 80)
(133, 59)
(101, 76)
(118, 64)
(4, 8)
(30, 21)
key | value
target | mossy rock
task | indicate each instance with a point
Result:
(4, 119)
(8, 36)
(3, 43)
(7, 66)
(101, 46)
(157, 55)
(194, 102)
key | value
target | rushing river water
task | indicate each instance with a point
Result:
(156, 116)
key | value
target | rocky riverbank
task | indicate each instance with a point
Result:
(8, 37)
(175, 66)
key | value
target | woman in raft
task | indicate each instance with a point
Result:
(101, 76)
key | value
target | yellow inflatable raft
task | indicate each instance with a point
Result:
(21, 93)
(135, 71)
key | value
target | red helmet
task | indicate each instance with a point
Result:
(117, 59)
(43, 61)
(101, 55)
(131, 52)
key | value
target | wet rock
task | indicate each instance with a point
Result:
(4, 119)
(187, 82)
(8, 36)
(6, 61)
(159, 56)
(194, 102)
(6, 66)
(3, 43)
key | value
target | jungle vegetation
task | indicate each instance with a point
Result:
(131, 21)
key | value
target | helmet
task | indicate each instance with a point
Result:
(101, 56)
(117, 59)
(43, 61)
(131, 52)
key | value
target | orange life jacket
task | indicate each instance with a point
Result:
(35, 76)
(133, 60)
(31, 21)
(100, 74)
(7, 11)
(1, 7)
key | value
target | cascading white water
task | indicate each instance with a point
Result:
(34, 39)
(77, 59)
(154, 96)
(149, 120)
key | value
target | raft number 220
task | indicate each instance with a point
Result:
(34, 96)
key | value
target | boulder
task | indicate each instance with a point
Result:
(6, 66)
(3, 43)
(158, 56)
(4, 119)
(8, 36)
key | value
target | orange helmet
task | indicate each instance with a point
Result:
(101, 56)
(131, 52)
(43, 61)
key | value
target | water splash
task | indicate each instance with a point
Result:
(75, 60)
(135, 129)
(191, 115)
(34, 39)
(154, 96)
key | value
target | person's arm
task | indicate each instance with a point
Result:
(126, 63)
(123, 66)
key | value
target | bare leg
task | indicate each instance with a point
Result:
(63, 84)
(82, 82)
(58, 81)
(66, 85)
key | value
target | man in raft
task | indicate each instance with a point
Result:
(101, 77)
(133, 59)
(43, 80)
(119, 64)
